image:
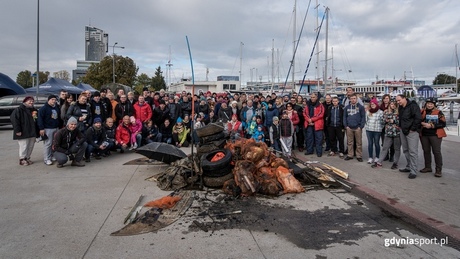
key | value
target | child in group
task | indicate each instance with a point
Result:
(258, 134)
(198, 124)
(251, 127)
(136, 132)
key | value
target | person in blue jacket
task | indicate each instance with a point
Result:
(354, 120)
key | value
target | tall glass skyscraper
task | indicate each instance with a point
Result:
(96, 44)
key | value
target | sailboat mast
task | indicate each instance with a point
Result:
(273, 65)
(317, 47)
(293, 45)
(327, 38)
(241, 60)
(457, 67)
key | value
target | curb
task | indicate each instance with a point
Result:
(416, 218)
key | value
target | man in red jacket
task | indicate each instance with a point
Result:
(313, 126)
(142, 110)
(123, 134)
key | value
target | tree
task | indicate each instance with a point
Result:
(442, 79)
(158, 81)
(142, 80)
(102, 73)
(26, 79)
(63, 74)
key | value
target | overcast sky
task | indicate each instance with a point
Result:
(369, 37)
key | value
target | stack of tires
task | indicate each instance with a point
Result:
(217, 172)
(212, 141)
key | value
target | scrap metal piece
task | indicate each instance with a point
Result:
(133, 209)
(156, 219)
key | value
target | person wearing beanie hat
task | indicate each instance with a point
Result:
(48, 122)
(96, 138)
(24, 129)
(374, 126)
(275, 118)
(258, 134)
(431, 135)
(69, 144)
(51, 96)
(72, 120)
(27, 98)
(180, 133)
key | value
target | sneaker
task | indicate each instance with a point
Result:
(394, 166)
(359, 159)
(53, 159)
(59, 165)
(412, 176)
(331, 154)
(405, 170)
(348, 158)
(135, 146)
(48, 162)
(438, 174)
(426, 170)
(370, 160)
(341, 155)
(75, 163)
(29, 161)
(23, 162)
(376, 160)
(376, 165)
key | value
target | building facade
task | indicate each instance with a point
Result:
(96, 44)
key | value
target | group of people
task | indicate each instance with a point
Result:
(96, 124)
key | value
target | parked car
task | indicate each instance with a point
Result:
(10, 102)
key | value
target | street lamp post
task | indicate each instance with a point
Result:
(113, 59)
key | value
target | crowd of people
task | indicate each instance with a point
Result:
(96, 124)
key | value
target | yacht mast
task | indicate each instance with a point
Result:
(241, 60)
(327, 38)
(457, 67)
(293, 45)
(273, 65)
(317, 47)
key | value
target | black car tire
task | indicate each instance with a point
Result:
(218, 173)
(223, 163)
(211, 138)
(210, 129)
(216, 182)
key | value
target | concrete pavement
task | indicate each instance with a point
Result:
(70, 212)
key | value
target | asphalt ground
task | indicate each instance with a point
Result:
(69, 212)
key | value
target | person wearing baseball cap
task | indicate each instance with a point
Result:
(433, 124)
(48, 122)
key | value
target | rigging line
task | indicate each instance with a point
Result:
(312, 51)
(295, 50)
(345, 61)
(287, 33)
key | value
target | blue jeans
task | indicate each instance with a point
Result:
(313, 138)
(373, 139)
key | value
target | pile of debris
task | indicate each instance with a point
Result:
(243, 167)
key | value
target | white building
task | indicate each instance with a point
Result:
(218, 86)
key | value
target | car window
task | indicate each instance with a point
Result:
(6, 101)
